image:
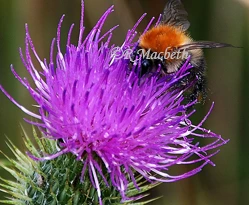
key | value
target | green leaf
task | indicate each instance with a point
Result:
(58, 181)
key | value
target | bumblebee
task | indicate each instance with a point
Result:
(171, 35)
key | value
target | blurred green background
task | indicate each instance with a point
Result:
(228, 79)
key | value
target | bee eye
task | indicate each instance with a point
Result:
(145, 66)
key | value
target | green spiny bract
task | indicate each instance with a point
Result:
(57, 182)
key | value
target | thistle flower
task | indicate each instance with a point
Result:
(112, 120)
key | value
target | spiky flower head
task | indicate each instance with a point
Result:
(112, 120)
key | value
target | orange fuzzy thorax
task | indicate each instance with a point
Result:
(161, 37)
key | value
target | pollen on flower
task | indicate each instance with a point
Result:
(109, 117)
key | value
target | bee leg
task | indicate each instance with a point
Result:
(199, 92)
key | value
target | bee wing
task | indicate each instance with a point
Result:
(175, 14)
(204, 44)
